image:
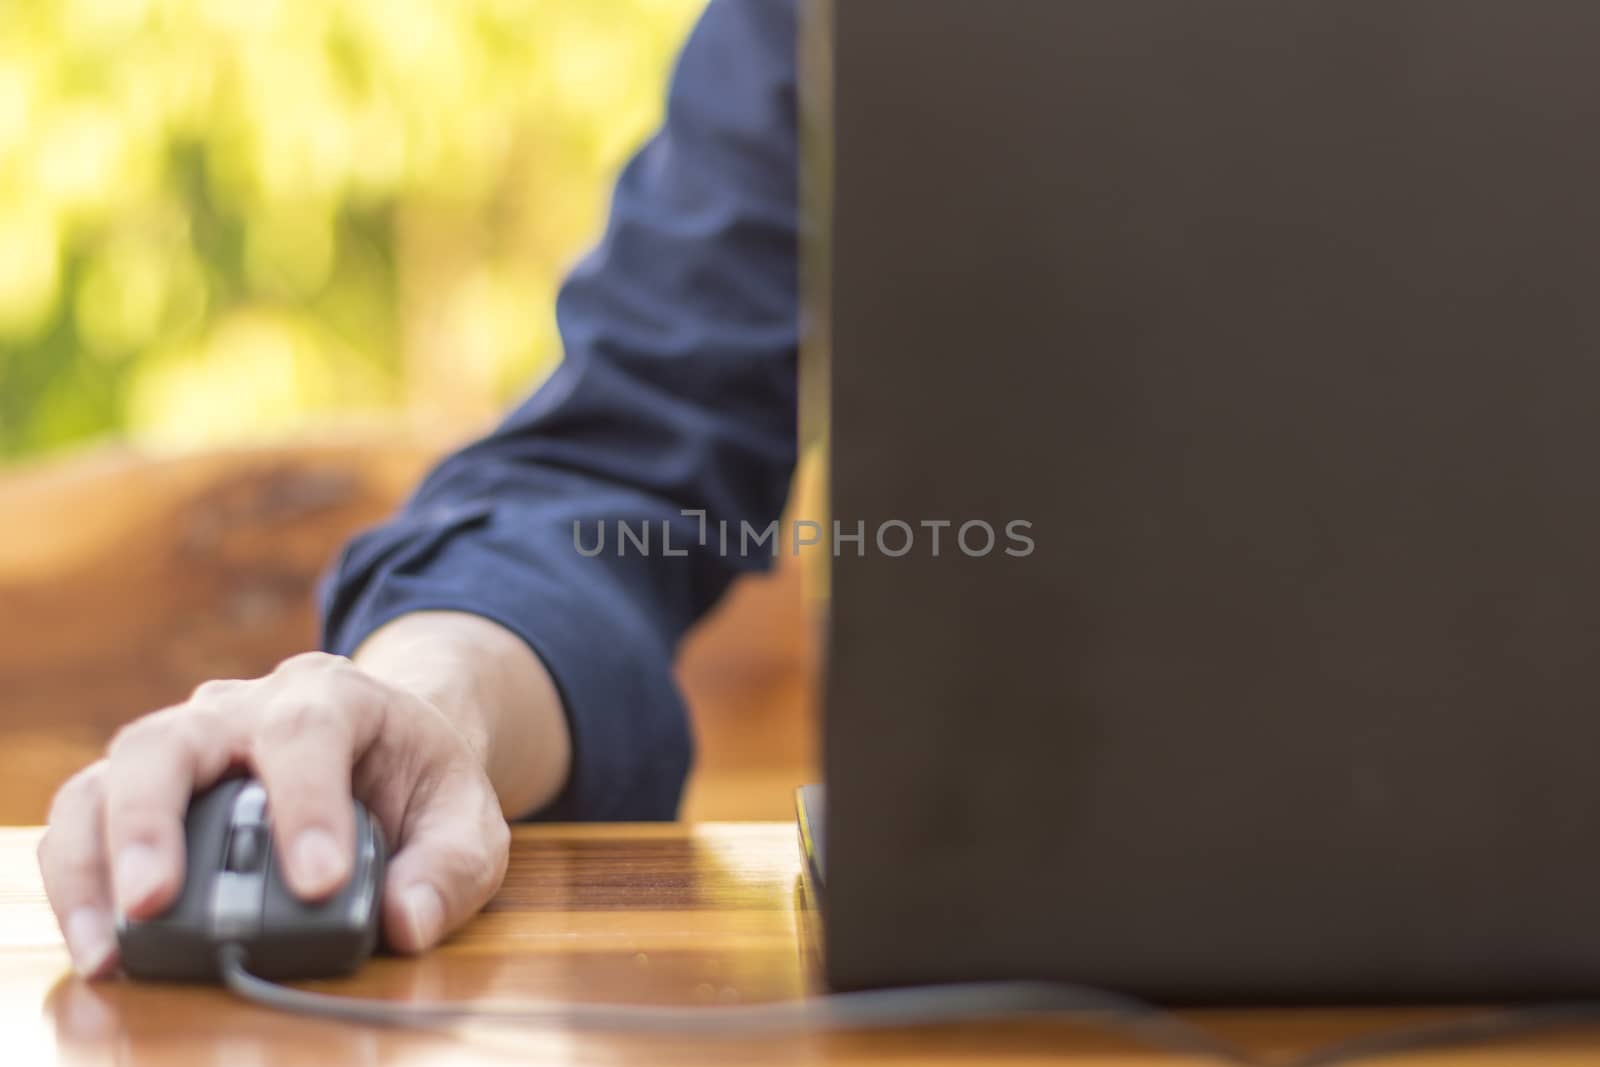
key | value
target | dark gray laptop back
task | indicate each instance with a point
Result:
(1279, 323)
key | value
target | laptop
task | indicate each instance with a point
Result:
(1244, 358)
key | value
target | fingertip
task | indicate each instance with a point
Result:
(143, 881)
(416, 918)
(97, 970)
(91, 941)
(317, 865)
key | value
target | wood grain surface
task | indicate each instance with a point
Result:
(706, 914)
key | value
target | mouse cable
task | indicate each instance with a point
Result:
(881, 1009)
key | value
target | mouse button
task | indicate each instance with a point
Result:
(206, 832)
(247, 848)
(365, 879)
(237, 903)
(250, 804)
(374, 836)
(283, 914)
(370, 843)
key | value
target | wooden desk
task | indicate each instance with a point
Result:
(668, 914)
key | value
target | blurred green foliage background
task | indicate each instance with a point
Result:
(223, 219)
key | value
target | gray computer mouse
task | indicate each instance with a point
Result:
(234, 894)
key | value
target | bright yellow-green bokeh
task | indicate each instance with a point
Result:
(222, 220)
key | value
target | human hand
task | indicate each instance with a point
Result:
(316, 731)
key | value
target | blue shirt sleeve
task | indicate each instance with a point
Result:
(677, 393)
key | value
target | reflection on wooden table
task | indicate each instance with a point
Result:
(625, 914)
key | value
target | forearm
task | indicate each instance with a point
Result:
(674, 408)
(486, 680)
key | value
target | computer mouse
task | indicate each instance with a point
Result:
(234, 894)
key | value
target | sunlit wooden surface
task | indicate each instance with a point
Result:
(657, 915)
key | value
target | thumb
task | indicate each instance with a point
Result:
(451, 861)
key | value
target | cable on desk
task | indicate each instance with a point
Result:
(885, 1009)
(873, 1010)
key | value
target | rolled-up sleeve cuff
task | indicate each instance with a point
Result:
(630, 740)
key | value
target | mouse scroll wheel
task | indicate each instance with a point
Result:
(247, 848)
